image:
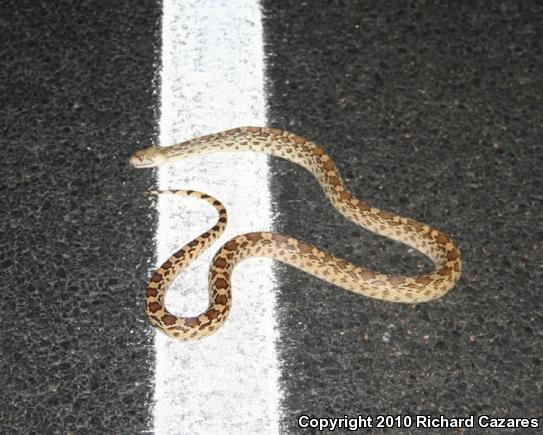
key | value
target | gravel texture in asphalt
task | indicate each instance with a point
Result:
(430, 110)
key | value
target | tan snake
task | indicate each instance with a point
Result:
(432, 243)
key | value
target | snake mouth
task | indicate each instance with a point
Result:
(140, 162)
(147, 158)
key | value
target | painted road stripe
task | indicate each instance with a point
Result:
(213, 79)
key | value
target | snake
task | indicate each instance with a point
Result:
(302, 255)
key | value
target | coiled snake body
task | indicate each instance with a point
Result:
(432, 243)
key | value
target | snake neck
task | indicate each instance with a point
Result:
(273, 142)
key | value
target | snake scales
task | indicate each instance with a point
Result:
(299, 254)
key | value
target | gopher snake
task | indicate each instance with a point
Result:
(301, 255)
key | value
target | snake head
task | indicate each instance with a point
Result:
(147, 158)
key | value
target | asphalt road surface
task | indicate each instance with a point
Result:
(430, 110)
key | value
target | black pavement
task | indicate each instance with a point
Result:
(429, 110)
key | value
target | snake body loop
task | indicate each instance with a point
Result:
(409, 289)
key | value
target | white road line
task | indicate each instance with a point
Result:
(213, 79)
